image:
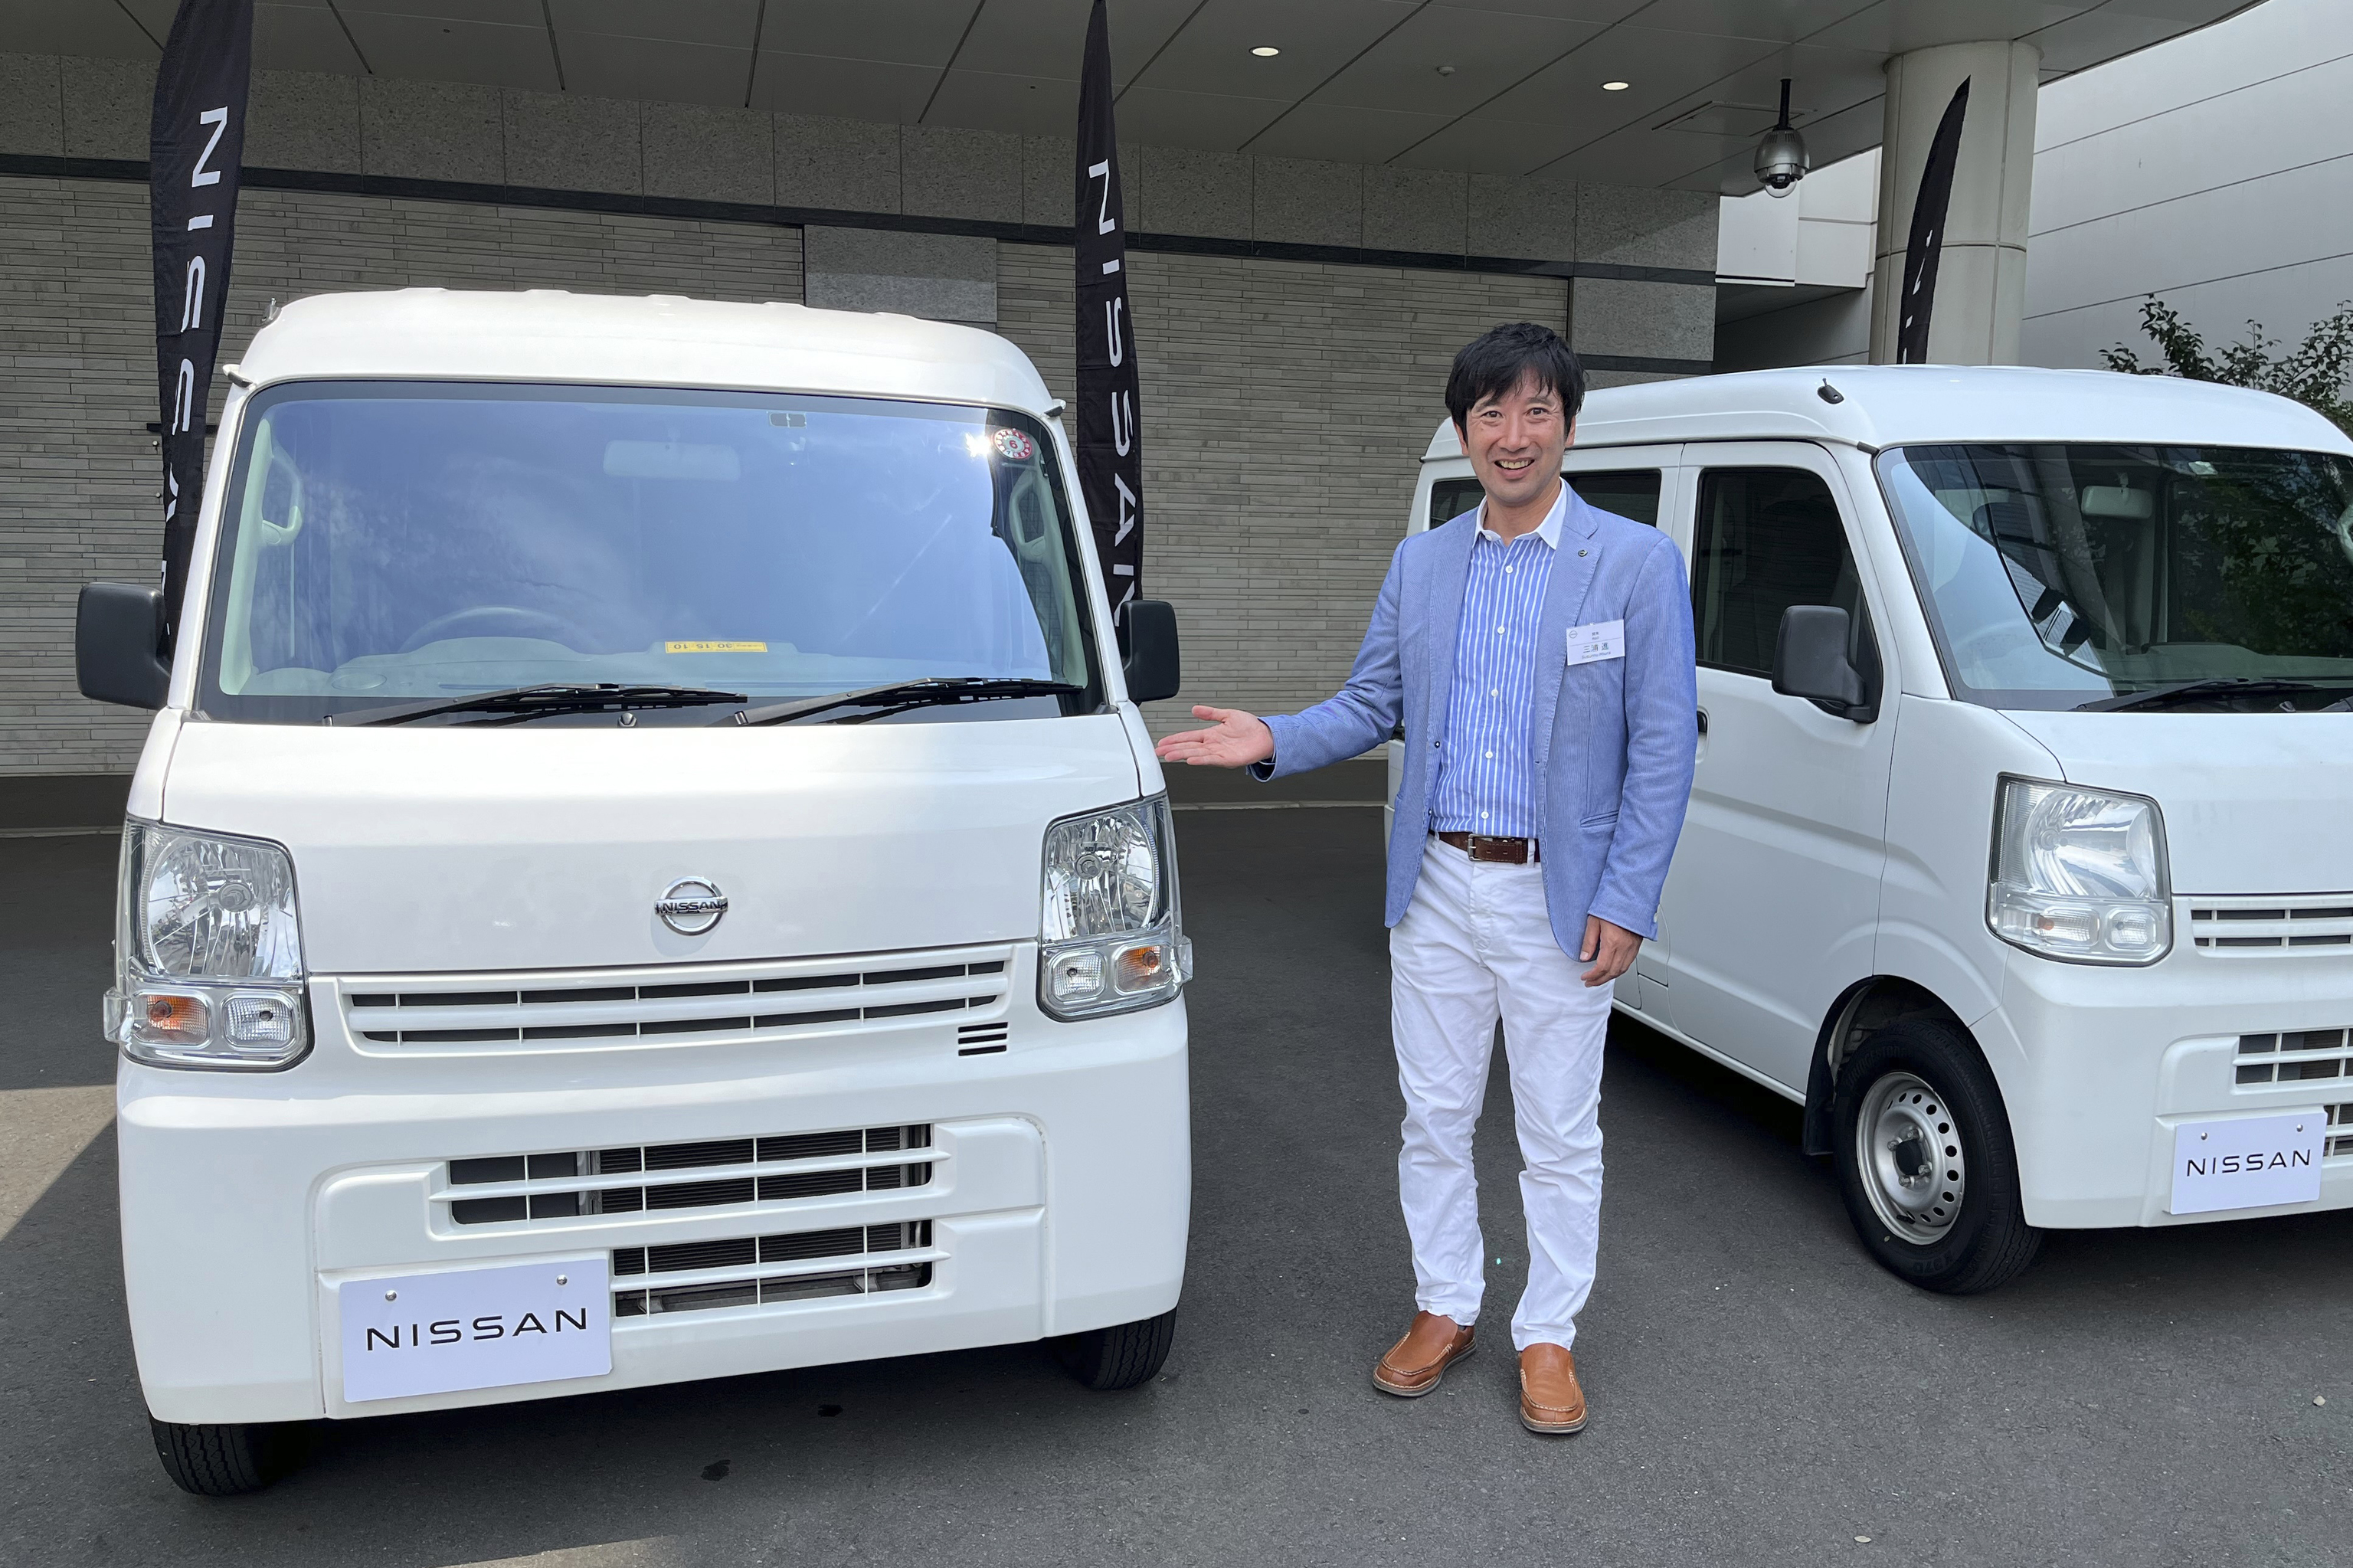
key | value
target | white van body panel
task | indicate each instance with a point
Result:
(1773, 898)
(546, 334)
(2097, 1064)
(1883, 406)
(2252, 802)
(1054, 1216)
(425, 848)
(1949, 756)
(436, 865)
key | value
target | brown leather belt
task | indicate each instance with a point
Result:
(1487, 847)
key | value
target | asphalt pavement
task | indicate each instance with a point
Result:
(1761, 1391)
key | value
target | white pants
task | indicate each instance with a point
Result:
(1476, 944)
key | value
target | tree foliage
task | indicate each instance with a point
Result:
(2314, 375)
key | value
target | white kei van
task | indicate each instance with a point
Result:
(647, 866)
(2019, 851)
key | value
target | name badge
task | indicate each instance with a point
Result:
(1602, 639)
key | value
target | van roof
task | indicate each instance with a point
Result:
(1889, 404)
(659, 340)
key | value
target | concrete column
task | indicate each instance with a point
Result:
(1981, 279)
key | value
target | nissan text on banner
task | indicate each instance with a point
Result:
(1110, 455)
(196, 147)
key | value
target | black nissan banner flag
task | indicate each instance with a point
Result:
(196, 147)
(1928, 240)
(1111, 456)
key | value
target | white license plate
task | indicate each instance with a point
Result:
(476, 1327)
(2247, 1162)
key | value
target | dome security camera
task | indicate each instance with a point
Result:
(1781, 160)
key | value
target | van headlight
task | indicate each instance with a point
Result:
(2080, 875)
(207, 952)
(1109, 933)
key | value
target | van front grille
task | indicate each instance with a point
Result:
(588, 1010)
(2340, 1128)
(568, 1185)
(751, 1271)
(2316, 924)
(2294, 1056)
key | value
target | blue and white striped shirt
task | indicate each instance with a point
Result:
(1486, 774)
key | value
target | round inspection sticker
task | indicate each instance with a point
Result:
(1015, 445)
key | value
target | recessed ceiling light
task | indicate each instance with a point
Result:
(1266, 51)
(1616, 86)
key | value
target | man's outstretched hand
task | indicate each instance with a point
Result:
(1236, 739)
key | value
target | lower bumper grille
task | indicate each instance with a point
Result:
(2294, 1056)
(2340, 1128)
(568, 1185)
(751, 1271)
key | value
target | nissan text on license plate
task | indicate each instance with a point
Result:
(475, 1328)
(2247, 1162)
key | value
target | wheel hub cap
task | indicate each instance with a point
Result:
(1908, 1147)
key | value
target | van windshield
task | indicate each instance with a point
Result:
(2058, 576)
(383, 542)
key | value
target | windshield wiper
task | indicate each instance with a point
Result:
(901, 696)
(553, 698)
(2182, 691)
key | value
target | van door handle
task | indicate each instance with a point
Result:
(1703, 721)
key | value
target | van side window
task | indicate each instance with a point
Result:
(1631, 493)
(1768, 538)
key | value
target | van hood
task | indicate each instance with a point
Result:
(2253, 803)
(432, 850)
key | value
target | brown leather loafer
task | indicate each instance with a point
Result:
(1550, 1399)
(1415, 1362)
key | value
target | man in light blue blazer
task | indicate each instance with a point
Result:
(1539, 652)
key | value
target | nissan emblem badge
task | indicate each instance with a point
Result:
(692, 906)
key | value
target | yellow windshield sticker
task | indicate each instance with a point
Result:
(714, 648)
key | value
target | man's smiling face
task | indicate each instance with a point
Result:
(1515, 440)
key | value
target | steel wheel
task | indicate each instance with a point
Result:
(1908, 1149)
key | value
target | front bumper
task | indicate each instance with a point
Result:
(2099, 1066)
(1056, 1195)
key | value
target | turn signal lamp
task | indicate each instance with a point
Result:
(2079, 874)
(209, 952)
(1109, 926)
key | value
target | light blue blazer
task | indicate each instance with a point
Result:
(1614, 739)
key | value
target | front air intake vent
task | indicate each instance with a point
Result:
(2316, 924)
(2296, 1056)
(981, 1039)
(750, 1271)
(502, 1188)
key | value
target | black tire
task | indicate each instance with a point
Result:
(1923, 1080)
(1124, 1355)
(223, 1461)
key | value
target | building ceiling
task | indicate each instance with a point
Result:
(1501, 87)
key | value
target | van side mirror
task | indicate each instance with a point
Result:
(1147, 647)
(1810, 661)
(118, 645)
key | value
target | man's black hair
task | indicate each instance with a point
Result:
(1500, 358)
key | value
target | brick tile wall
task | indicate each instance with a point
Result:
(1286, 407)
(78, 470)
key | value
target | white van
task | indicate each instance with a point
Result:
(647, 866)
(2018, 853)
